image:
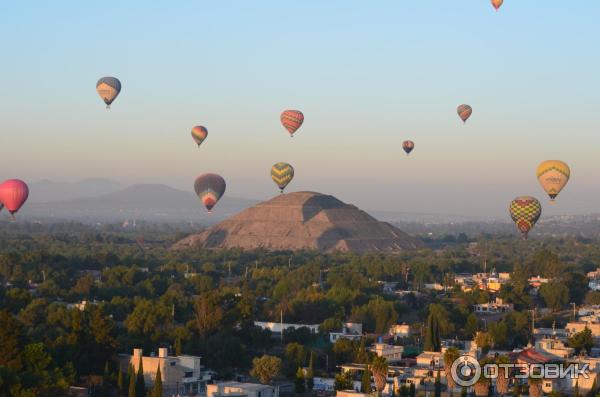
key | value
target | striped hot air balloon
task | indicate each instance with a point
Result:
(464, 112)
(525, 212)
(292, 120)
(199, 134)
(13, 194)
(553, 175)
(209, 188)
(282, 174)
(408, 146)
(497, 4)
(108, 88)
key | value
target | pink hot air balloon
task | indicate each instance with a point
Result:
(13, 194)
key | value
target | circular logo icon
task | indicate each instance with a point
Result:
(465, 371)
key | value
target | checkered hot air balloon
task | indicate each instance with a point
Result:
(525, 212)
(464, 112)
(199, 134)
(292, 120)
(209, 188)
(282, 174)
(108, 88)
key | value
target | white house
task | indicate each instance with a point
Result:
(237, 389)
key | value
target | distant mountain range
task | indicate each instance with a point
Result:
(103, 200)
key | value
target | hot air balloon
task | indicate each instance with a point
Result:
(13, 194)
(553, 175)
(408, 146)
(525, 211)
(209, 188)
(292, 120)
(199, 134)
(464, 112)
(108, 88)
(497, 3)
(282, 174)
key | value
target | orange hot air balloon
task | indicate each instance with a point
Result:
(199, 134)
(292, 120)
(408, 146)
(464, 112)
(497, 4)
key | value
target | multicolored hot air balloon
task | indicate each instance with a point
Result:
(13, 194)
(408, 146)
(199, 134)
(525, 212)
(209, 188)
(108, 88)
(497, 3)
(553, 175)
(282, 174)
(464, 112)
(292, 120)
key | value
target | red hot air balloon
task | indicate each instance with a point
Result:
(408, 146)
(209, 188)
(292, 120)
(497, 4)
(13, 194)
(464, 112)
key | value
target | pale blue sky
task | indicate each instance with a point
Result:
(366, 74)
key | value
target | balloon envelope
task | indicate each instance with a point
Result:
(408, 146)
(282, 174)
(464, 112)
(13, 194)
(108, 88)
(292, 120)
(525, 212)
(209, 188)
(553, 175)
(199, 134)
(497, 3)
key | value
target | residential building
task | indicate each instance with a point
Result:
(352, 331)
(574, 327)
(238, 389)
(496, 307)
(180, 374)
(399, 330)
(554, 348)
(391, 353)
(537, 281)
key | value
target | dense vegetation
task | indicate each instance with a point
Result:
(149, 296)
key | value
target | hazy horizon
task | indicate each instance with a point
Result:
(366, 76)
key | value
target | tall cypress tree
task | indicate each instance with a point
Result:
(365, 384)
(412, 391)
(140, 385)
(310, 375)
(131, 391)
(157, 390)
(432, 335)
(438, 385)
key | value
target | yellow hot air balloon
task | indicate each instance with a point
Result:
(282, 174)
(497, 4)
(553, 176)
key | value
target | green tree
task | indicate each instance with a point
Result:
(450, 355)
(11, 337)
(265, 368)
(438, 385)
(342, 382)
(299, 382)
(131, 390)
(120, 384)
(412, 391)
(157, 389)
(582, 341)
(140, 384)
(433, 341)
(106, 389)
(379, 367)
(472, 325)
(404, 391)
(555, 295)
(365, 384)
(310, 375)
